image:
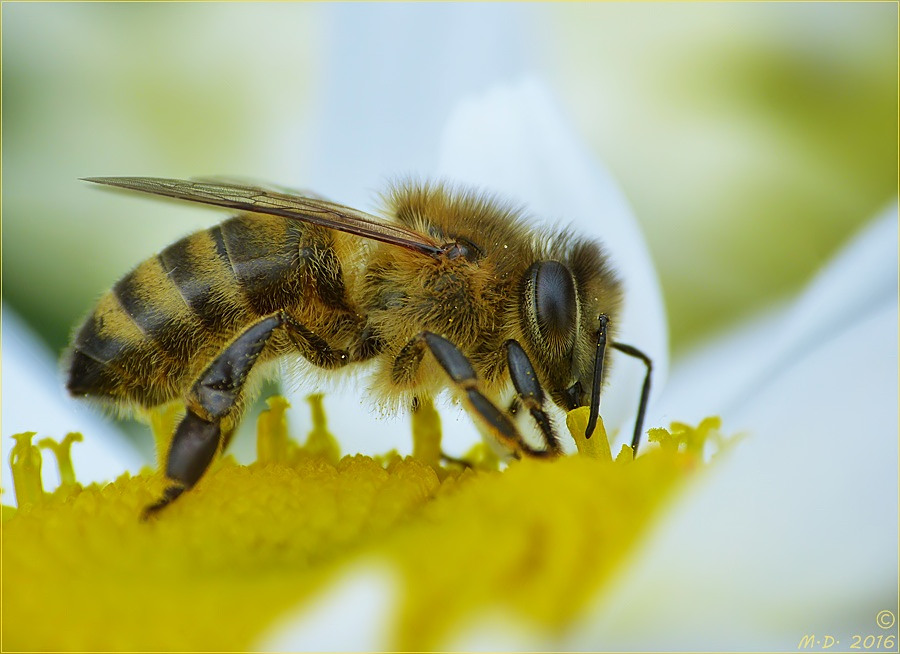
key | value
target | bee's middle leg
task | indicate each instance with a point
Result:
(215, 399)
(461, 372)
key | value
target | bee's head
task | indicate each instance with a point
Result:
(568, 313)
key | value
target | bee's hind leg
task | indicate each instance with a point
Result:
(212, 398)
(460, 371)
(215, 398)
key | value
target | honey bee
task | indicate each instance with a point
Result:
(452, 289)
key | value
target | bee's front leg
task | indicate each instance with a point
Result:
(461, 372)
(529, 391)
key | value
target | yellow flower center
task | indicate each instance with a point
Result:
(223, 563)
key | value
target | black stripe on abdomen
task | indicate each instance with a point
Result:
(265, 257)
(154, 304)
(103, 347)
(200, 268)
(133, 298)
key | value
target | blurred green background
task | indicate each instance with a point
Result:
(751, 139)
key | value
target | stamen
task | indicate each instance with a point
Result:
(63, 453)
(321, 442)
(560, 530)
(271, 432)
(25, 461)
(595, 448)
(426, 433)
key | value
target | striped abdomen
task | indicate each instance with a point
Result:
(161, 324)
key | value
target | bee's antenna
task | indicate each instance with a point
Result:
(632, 351)
(597, 383)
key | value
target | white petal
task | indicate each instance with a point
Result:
(499, 631)
(394, 73)
(34, 400)
(353, 615)
(795, 532)
(859, 279)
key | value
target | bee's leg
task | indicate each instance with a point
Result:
(529, 390)
(461, 372)
(212, 399)
(215, 398)
(645, 391)
(447, 458)
(313, 347)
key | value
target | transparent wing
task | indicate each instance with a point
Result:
(268, 201)
(235, 180)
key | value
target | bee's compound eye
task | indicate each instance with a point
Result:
(554, 303)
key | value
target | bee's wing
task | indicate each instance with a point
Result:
(262, 200)
(232, 180)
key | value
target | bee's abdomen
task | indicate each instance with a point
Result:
(162, 323)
